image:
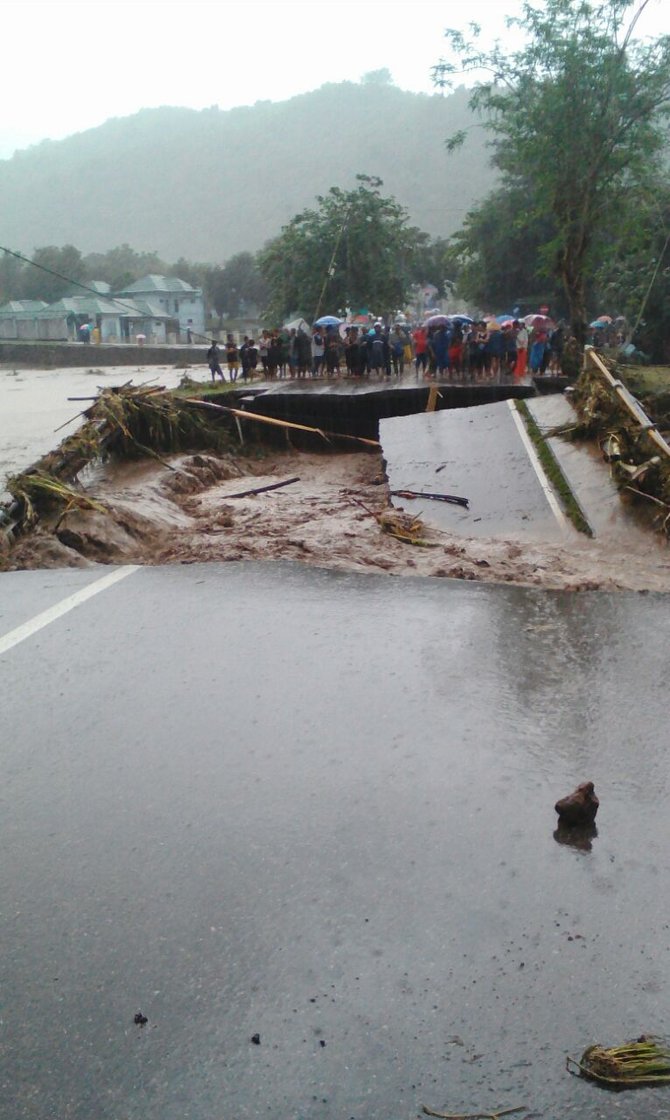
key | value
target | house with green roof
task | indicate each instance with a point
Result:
(162, 309)
(176, 298)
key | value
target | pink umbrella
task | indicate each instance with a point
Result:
(539, 321)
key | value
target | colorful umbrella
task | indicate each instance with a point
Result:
(539, 321)
(437, 321)
(328, 321)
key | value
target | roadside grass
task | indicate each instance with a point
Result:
(553, 471)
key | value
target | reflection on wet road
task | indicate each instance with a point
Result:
(318, 807)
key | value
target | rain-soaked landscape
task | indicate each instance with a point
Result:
(334, 701)
(280, 837)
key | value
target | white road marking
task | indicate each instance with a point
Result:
(20, 633)
(537, 466)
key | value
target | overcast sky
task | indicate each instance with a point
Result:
(68, 65)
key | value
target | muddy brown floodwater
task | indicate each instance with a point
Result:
(328, 518)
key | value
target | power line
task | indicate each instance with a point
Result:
(68, 279)
(78, 284)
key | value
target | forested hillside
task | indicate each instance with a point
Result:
(207, 184)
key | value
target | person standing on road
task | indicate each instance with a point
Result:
(318, 350)
(420, 340)
(232, 358)
(214, 361)
(521, 349)
(397, 342)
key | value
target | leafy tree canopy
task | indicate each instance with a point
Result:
(576, 113)
(356, 249)
(39, 284)
(238, 286)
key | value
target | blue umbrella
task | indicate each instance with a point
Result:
(328, 321)
(461, 319)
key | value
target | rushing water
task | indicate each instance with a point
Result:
(34, 405)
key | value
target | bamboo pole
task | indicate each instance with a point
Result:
(242, 414)
(630, 402)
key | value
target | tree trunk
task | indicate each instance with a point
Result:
(573, 286)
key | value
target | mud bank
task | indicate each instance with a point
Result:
(329, 518)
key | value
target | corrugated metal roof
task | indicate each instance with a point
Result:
(15, 305)
(100, 286)
(155, 283)
(86, 305)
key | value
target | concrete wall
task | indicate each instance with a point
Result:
(45, 355)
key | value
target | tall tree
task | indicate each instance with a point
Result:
(355, 250)
(578, 111)
(12, 273)
(122, 265)
(55, 271)
(634, 275)
(238, 286)
(500, 254)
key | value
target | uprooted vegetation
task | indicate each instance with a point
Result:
(123, 423)
(641, 470)
(218, 501)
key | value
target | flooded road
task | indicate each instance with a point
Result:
(34, 403)
(316, 807)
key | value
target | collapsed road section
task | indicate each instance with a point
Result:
(482, 454)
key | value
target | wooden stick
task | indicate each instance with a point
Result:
(473, 1115)
(262, 489)
(73, 418)
(453, 498)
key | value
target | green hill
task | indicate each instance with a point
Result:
(207, 184)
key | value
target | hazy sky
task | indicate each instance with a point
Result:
(69, 65)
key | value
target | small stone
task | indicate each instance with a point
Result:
(140, 1020)
(256, 1039)
(579, 808)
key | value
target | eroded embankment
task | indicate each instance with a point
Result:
(330, 518)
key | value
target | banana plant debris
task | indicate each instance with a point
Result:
(149, 479)
(644, 1061)
(628, 434)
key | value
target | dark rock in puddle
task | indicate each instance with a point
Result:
(140, 1020)
(579, 808)
(256, 1039)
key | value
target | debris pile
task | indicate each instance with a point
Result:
(629, 439)
(645, 1061)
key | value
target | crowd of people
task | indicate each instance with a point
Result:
(455, 348)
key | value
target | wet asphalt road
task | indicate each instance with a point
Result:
(318, 807)
(476, 453)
